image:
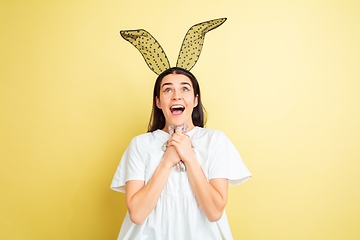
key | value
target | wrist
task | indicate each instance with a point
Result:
(166, 164)
(190, 160)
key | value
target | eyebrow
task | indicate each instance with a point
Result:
(182, 83)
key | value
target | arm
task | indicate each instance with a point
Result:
(141, 199)
(211, 196)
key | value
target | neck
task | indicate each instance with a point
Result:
(166, 128)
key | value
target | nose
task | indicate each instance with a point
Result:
(176, 96)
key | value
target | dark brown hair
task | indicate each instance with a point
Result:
(157, 118)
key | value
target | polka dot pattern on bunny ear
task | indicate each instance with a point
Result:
(149, 48)
(193, 43)
(154, 54)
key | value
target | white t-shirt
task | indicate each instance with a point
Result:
(177, 214)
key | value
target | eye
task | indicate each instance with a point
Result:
(185, 89)
(167, 90)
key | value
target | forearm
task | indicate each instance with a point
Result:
(209, 198)
(141, 202)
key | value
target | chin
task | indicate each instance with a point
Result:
(177, 123)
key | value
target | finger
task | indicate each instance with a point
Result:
(170, 144)
(174, 143)
(180, 136)
(175, 146)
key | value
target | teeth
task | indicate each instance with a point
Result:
(177, 107)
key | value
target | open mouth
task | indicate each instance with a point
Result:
(177, 109)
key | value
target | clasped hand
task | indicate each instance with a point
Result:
(181, 143)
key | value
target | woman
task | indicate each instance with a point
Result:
(164, 203)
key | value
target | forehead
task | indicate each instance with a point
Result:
(176, 79)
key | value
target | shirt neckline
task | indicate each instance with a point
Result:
(190, 133)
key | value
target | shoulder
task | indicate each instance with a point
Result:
(211, 138)
(143, 137)
(209, 133)
(149, 139)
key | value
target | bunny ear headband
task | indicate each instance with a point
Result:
(154, 54)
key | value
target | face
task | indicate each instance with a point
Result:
(177, 100)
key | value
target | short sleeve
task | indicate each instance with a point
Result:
(131, 167)
(225, 161)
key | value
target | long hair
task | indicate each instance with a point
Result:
(157, 118)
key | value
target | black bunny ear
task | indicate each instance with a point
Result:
(149, 48)
(193, 43)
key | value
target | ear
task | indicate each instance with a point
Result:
(157, 102)
(196, 100)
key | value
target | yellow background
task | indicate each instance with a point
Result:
(280, 78)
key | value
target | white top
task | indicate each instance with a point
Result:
(177, 214)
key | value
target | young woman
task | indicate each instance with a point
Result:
(163, 202)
